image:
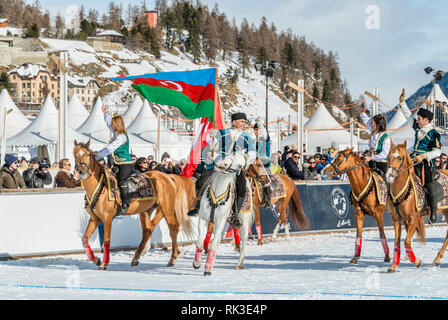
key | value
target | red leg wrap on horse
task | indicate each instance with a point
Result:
(260, 235)
(385, 246)
(410, 254)
(210, 259)
(207, 239)
(358, 245)
(397, 256)
(89, 251)
(106, 255)
(198, 255)
(236, 234)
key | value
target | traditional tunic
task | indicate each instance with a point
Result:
(118, 146)
(379, 141)
(263, 145)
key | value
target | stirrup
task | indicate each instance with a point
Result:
(235, 221)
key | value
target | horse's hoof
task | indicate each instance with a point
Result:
(387, 259)
(239, 267)
(170, 264)
(273, 239)
(436, 264)
(98, 262)
(196, 265)
(392, 269)
(134, 263)
(260, 242)
(237, 248)
(354, 260)
(102, 268)
(418, 263)
(207, 273)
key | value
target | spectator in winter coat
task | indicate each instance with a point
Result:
(166, 165)
(310, 172)
(292, 169)
(37, 175)
(64, 178)
(179, 167)
(10, 177)
(141, 165)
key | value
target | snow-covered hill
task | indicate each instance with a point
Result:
(247, 94)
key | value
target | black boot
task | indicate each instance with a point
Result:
(234, 219)
(267, 196)
(195, 211)
(435, 194)
(125, 199)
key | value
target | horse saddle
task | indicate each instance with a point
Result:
(277, 189)
(140, 187)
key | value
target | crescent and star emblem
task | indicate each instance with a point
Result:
(178, 86)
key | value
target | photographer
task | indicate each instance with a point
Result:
(37, 175)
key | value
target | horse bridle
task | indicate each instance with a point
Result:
(257, 177)
(87, 167)
(341, 172)
(400, 171)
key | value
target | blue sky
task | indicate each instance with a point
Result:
(386, 48)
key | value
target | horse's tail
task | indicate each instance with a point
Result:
(181, 206)
(421, 230)
(298, 216)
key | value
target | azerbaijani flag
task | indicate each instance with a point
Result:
(194, 93)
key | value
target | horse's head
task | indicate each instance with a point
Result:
(398, 161)
(344, 161)
(257, 171)
(83, 158)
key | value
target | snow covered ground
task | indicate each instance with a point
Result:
(305, 267)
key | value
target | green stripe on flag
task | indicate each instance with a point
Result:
(169, 97)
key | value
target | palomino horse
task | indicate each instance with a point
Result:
(364, 196)
(215, 207)
(405, 191)
(170, 203)
(259, 178)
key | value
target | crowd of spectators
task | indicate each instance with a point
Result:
(35, 173)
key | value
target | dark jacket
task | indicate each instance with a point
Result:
(34, 178)
(292, 170)
(161, 167)
(310, 173)
(11, 180)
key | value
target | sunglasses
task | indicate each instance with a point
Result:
(313, 162)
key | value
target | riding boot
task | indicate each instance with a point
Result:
(267, 196)
(434, 195)
(125, 199)
(195, 211)
(234, 219)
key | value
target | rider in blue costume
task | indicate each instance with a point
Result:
(229, 140)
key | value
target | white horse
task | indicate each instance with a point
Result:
(216, 204)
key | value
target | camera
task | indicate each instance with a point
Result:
(44, 163)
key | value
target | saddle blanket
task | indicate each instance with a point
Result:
(380, 188)
(141, 188)
(278, 191)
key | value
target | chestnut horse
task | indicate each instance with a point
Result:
(258, 175)
(169, 201)
(403, 181)
(363, 196)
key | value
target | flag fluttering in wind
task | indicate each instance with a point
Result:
(194, 93)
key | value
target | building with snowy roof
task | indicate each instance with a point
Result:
(86, 88)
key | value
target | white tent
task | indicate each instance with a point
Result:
(133, 110)
(404, 132)
(76, 112)
(145, 126)
(323, 131)
(16, 120)
(95, 128)
(437, 94)
(44, 130)
(397, 120)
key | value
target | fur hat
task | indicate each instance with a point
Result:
(238, 116)
(425, 113)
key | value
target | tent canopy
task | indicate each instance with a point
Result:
(133, 110)
(76, 112)
(16, 120)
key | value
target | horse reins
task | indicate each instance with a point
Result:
(341, 172)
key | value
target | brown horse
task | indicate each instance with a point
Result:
(169, 201)
(405, 187)
(363, 196)
(259, 177)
